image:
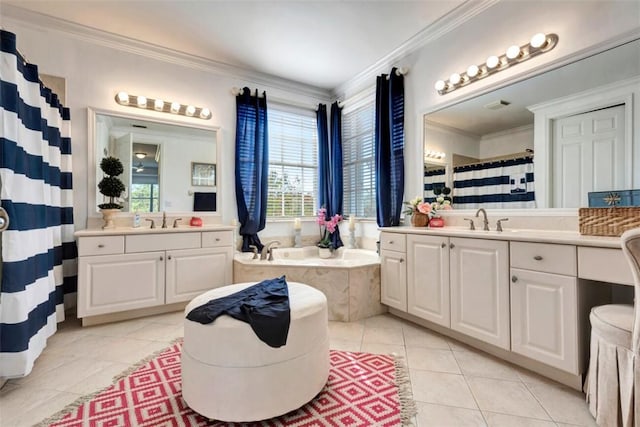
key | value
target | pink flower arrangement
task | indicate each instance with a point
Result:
(424, 207)
(327, 227)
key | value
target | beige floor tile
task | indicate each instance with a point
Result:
(384, 349)
(376, 335)
(346, 331)
(419, 337)
(67, 375)
(156, 332)
(482, 365)
(430, 359)
(173, 318)
(344, 345)
(441, 388)
(529, 377)
(503, 420)
(563, 404)
(386, 321)
(459, 346)
(25, 406)
(100, 380)
(47, 362)
(506, 397)
(117, 329)
(430, 415)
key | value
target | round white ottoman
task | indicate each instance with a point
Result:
(229, 374)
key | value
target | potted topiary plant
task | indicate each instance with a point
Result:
(111, 187)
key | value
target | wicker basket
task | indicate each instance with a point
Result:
(608, 221)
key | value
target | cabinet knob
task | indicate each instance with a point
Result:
(451, 245)
(514, 279)
(101, 245)
(391, 242)
(217, 239)
(443, 245)
(161, 258)
(401, 260)
(537, 258)
(169, 257)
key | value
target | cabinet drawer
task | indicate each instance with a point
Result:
(101, 245)
(548, 258)
(159, 242)
(212, 239)
(604, 265)
(393, 242)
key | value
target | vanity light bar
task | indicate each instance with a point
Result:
(430, 154)
(538, 44)
(138, 101)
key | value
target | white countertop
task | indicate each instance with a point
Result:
(146, 230)
(517, 235)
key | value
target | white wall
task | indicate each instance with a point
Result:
(507, 142)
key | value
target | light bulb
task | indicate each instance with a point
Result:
(492, 61)
(122, 98)
(440, 85)
(142, 102)
(175, 107)
(158, 104)
(472, 71)
(141, 155)
(538, 40)
(454, 78)
(513, 52)
(205, 113)
(190, 110)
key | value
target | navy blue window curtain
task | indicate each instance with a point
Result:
(389, 148)
(330, 179)
(38, 249)
(252, 166)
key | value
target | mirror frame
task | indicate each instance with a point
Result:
(92, 185)
(533, 72)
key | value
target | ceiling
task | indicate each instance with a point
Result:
(319, 43)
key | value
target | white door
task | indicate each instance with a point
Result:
(111, 283)
(191, 272)
(588, 155)
(480, 289)
(428, 278)
(544, 323)
(393, 272)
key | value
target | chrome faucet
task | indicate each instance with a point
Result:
(175, 222)
(267, 250)
(255, 251)
(164, 219)
(484, 218)
(153, 223)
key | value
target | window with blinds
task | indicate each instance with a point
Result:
(359, 161)
(293, 162)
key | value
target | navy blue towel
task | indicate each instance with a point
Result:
(264, 306)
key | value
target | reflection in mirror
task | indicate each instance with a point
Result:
(157, 160)
(501, 128)
(435, 176)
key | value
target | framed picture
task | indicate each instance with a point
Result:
(203, 174)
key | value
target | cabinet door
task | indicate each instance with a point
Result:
(544, 318)
(111, 283)
(428, 278)
(191, 272)
(393, 272)
(480, 289)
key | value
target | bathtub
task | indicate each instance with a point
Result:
(350, 279)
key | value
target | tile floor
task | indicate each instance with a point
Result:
(453, 385)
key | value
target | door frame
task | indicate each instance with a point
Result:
(618, 93)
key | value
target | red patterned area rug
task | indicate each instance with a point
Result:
(363, 390)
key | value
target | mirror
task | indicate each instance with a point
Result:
(498, 127)
(435, 176)
(158, 160)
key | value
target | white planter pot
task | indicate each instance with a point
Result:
(107, 216)
(324, 253)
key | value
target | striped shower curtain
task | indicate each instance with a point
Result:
(38, 249)
(493, 185)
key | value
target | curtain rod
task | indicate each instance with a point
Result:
(402, 71)
(235, 91)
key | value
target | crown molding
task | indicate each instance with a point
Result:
(450, 129)
(39, 21)
(434, 31)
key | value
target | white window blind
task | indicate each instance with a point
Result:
(293, 162)
(359, 160)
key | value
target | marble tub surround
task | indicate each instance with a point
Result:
(352, 288)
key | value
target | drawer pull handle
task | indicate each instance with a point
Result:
(217, 239)
(101, 245)
(514, 279)
(391, 242)
(537, 258)
(443, 245)
(452, 246)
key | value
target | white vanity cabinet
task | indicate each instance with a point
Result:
(120, 273)
(393, 270)
(428, 278)
(544, 302)
(480, 289)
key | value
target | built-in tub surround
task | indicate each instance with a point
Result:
(350, 280)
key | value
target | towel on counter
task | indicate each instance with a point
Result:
(204, 202)
(264, 306)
